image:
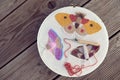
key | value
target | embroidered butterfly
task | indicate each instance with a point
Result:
(78, 23)
(54, 44)
(79, 51)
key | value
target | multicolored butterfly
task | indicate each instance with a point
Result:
(79, 51)
(78, 23)
(54, 44)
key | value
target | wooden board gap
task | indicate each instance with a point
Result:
(86, 3)
(56, 77)
(12, 11)
(18, 54)
(114, 35)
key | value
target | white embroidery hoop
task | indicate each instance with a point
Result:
(50, 22)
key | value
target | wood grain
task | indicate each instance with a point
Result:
(108, 11)
(8, 6)
(110, 68)
(19, 30)
(27, 66)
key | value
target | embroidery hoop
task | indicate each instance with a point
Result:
(45, 55)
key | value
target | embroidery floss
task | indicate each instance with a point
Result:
(72, 70)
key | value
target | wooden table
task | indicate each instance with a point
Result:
(19, 24)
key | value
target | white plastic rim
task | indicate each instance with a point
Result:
(49, 59)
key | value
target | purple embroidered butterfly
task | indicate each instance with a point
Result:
(54, 44)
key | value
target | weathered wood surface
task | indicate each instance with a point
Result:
(27, 66)
(19, 30)
(8, 6)
(110, 68)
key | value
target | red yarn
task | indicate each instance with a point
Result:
(92, 64)
(65, 54)
(72, 70)
(76, 69)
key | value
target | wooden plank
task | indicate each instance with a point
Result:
(108, 11)
(19, 30)
(110, 68)
(8, 6)
(27, 66)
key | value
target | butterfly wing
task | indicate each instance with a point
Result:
(54, 44)
(79, 51)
